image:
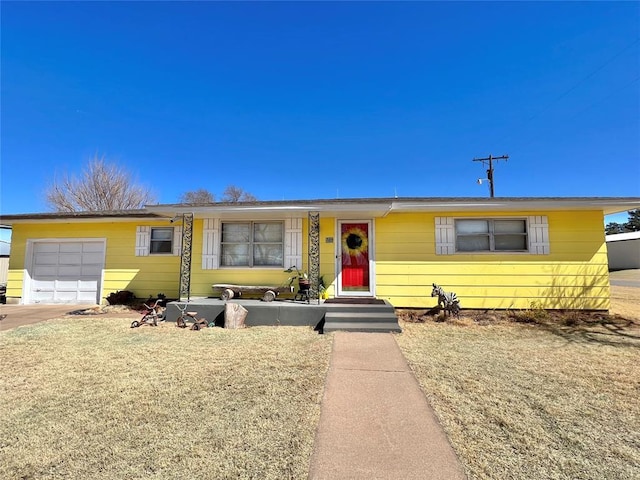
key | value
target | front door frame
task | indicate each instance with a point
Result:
(371, 252)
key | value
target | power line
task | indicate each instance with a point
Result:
(626, 85)
(574, 86)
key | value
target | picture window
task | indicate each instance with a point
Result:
(252, 244)
(491, 235)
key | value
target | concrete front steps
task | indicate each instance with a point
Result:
(360, 318)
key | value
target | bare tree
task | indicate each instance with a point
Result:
(236, 194)
(102, 186)
(200, 195)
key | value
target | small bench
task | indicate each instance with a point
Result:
(266, 292)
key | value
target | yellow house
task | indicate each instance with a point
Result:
(494, 253)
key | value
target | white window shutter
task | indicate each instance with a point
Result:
(211, 244)
(177, 240)
(143, 241)
(293, 242)
(445, 236)
(539, 235)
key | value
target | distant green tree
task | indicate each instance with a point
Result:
(612, 228)
(633, 225)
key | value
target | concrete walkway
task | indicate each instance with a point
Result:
(18, 315)
(625, 278)
(375, 421)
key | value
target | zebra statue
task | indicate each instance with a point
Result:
(447, 301)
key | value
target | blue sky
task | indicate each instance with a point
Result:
(323, 100)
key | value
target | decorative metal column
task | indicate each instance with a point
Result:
(314, 253)
(185, 256)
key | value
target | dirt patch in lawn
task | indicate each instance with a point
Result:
(625, 312)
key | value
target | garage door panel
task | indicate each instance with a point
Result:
(66, 285)
(87, 285)
(92, 258)
(66, 272)
(86, 297)
(46, 247)
(44, 284)
(91, 271)
(45, 271)
(71, 247)
(66, 297)
(46, 259)
(94, 247)
(42, 297)
(70, 259)
(69, 271)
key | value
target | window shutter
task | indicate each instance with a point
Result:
(445, 236)
(177, 240)
(293, 242)
(143, 241)
(539, 235)
(211, 244)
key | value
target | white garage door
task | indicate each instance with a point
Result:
(66, 272)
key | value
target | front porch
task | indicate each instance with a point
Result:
(324, 317)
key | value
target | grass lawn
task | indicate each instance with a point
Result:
(533, 401)
(94, 399)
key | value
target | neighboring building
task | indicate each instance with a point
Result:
(623, 250)
(5, 248)
(495, 253)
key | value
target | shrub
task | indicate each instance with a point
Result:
(534, 314)
(121, 297)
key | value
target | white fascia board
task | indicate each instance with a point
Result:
(607, 206)
(618, 237)
(150, 218)
(342, 208)
(274, 211)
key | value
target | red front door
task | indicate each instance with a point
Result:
(355, 267)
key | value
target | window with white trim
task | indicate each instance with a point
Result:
(491, 235)
(252, 244)
(161, 241)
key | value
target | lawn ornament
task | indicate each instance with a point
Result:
(447, 301)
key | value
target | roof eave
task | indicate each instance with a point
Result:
(65, 217)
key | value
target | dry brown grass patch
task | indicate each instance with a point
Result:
(523, 401)
(95, 399)
(625, 302)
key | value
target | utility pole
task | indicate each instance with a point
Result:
(489, 160)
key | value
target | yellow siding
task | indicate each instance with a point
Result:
(574, 274)
(202, 280)
(143, 276)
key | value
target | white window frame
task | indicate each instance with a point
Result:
(251, 243)
(491, 234)
(143, 241)
(211, 244)
(537, 236)
(152, 240)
